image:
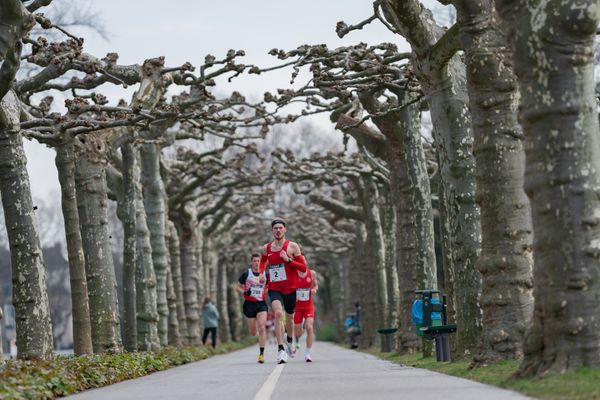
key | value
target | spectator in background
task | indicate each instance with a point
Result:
(352, 325)
(210, 321)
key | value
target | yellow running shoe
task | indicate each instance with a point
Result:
(261, 358)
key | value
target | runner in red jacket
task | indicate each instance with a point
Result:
(305, 309)
(284, 260)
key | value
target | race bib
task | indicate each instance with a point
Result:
(277, 273)
(303, 294)
(256, 292)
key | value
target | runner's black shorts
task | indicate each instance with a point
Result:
(251, 308)
(288, 300)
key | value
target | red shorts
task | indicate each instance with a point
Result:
(304, 312)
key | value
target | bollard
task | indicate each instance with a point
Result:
(388, 332)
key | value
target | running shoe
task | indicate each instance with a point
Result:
(290, 349)
(282, 357)
(307, 358)
(297, 347)
(261, 358)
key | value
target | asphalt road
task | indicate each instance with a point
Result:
(336, 373)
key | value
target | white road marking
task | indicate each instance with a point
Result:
(268, 387)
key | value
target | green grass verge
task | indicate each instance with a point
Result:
(327, 332)
(40, 379)
(578, 385)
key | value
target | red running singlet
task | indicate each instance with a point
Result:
(282, 276)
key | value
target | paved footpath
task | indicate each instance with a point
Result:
(336, 373)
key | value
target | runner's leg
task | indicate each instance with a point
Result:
(309, 337)
(278, 311)
(251, 326)
(261, 320)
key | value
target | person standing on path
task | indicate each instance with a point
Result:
(284, 259)
(252, 284)
(210, 321)
(305, 309)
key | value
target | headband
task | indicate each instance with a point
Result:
(277, 221)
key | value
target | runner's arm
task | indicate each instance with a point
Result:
(315, 283)
(296, 260)
(263, 260)
(238, 288)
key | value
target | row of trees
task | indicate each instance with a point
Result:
(514, 134)
(508, 170)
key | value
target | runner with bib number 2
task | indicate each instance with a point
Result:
(284, 260)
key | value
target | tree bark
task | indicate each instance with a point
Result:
(187, 244)
(145, 279)
(127, 214)
(390, 226)
(30, 299)
(92, 202)
(154, 195)
(236, 319)
(442, 79)
(553, 53)
(174, 335)
(369, 194)
(176, 276)
(365, 270)
(82, 330)
(506, 259)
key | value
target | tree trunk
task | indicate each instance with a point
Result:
(154, 195)
(506, 261)
(443, 81)
(145, 279)
(82, 330)
(553, 53)
(202, 271)
(187, 247)
(30, 299)
(236, 319)
(211, 261)
(369, 194)
(341, 298)
(368, 287)
(127, 214)
(390, 226)
(92, 201)
(176, 276)
(453, 137)
(174, 335)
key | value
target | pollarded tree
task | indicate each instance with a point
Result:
(34, 335)
(505, 262)
(442, 77)
(553, 52)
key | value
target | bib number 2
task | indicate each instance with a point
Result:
(277, 273)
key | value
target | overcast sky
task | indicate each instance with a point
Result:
(188, 30)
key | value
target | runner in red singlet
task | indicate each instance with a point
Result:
(284, 259)
(305, 309)
(253, 286)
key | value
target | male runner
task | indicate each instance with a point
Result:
(285, 259)
(253, 286)
(305, 309)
